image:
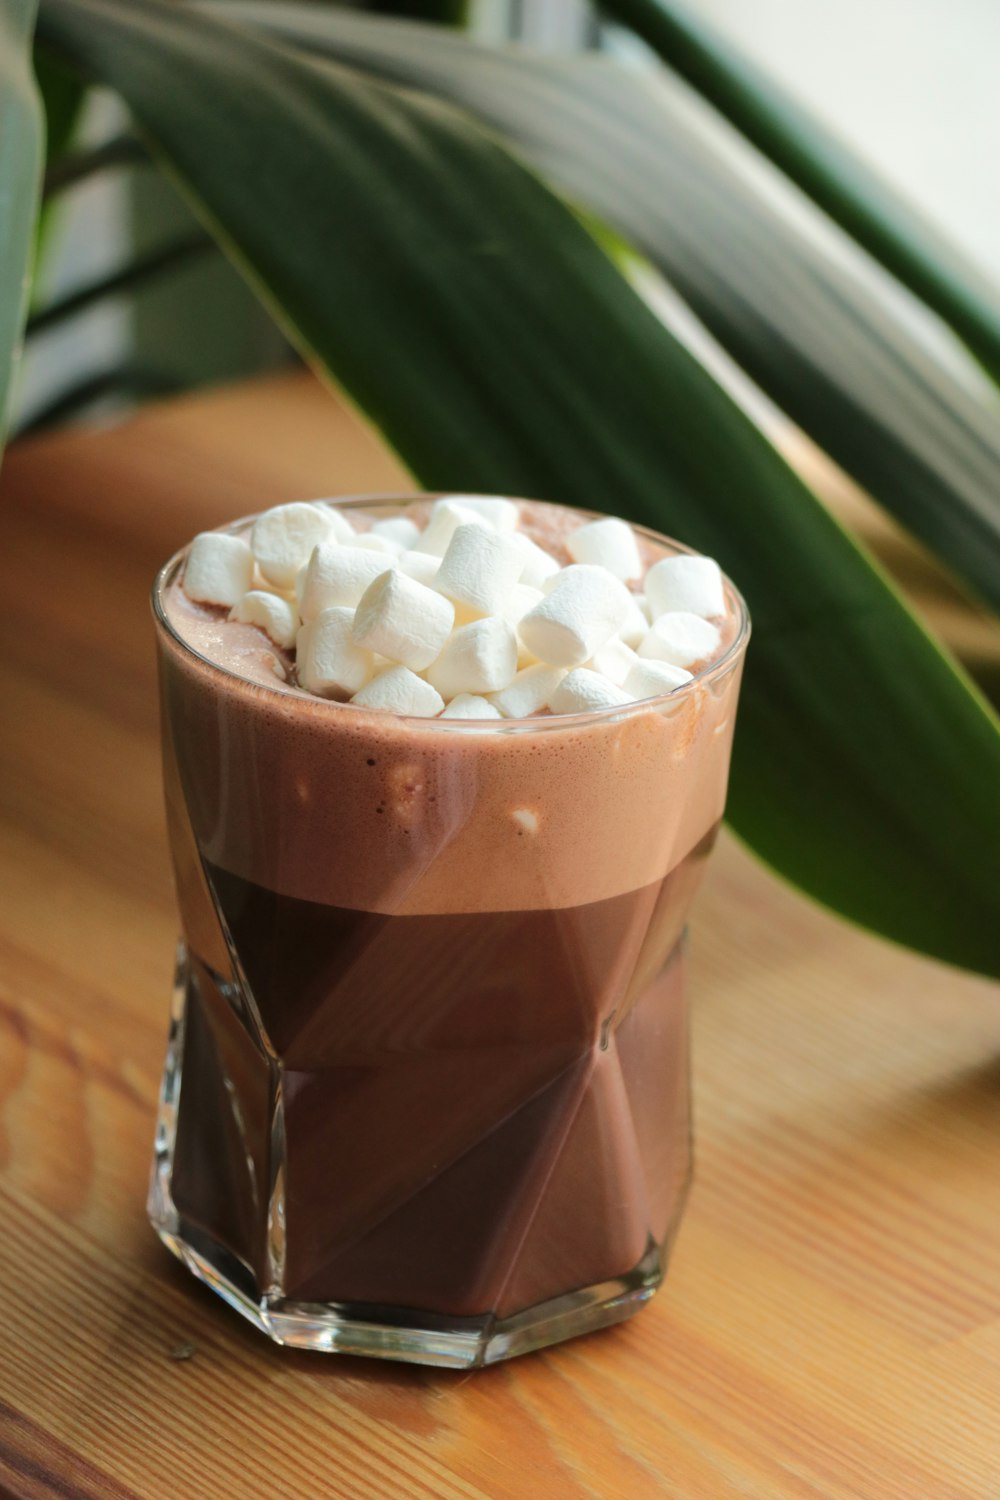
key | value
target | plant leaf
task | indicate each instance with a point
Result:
(20, 169)
(823, 167)
(497, 347)
(842, 364)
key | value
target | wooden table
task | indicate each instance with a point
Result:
(830, 1326)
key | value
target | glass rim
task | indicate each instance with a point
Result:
(708, 675)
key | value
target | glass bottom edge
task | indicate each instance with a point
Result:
(405, 1333)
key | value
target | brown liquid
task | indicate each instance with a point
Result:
(481, 1111)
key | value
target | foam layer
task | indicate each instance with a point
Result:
(333, 804)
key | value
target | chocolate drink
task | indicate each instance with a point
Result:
(430, 1062)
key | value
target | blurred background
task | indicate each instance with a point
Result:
(911, 84)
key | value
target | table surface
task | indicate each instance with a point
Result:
(830, 1324)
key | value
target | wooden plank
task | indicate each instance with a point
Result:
(830, 1328)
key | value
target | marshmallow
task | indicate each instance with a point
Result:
(479, 569)
(499, 514)
(614, 661)
(328, 660)
(537, 565)
(369, 541)
(650, 679)
(681, 639)
(419, 565)
(400, 691)
(270, 613)
(521, 598)
(693, 584)
(446, 517)
(338, 575)
(478, 658)
(583, 692)
(404, 620)
(530, 692)
(608, 543)
(219, 568)
(399, 530)
(341, 529)
(470, 706)
(584, 609)
(283, 539)
(637, 622)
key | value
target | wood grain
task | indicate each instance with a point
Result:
(830, 1327)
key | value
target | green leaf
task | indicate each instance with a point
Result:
(20, 168)
(824, 168)
(476, 321)
(843, 364)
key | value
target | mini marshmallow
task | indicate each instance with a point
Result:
(219, 568)
(614, 661)
(637, 622)
(369, 541)
(419, 565)
(400, 691)
(270, 613)
(608, 543)
(328, 660)
(585, 608)
(681, 639)
(283, 538)
(651, 679)
(399, 530)
(530, 692)
(446, 517)
(583, 692)
(692, 584)
(470, 706)
(478, 658)
(404, 620)
(479, 569)
(341, 529)
(337, 575)
(538, 566)
(499, 514)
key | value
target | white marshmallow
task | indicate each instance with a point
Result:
(404, 620)
(651, 679)
(529, 693)
(681, 639)
(336, 575)
(446, 517)
(608, 543)
(283, 538)
(399, 530)
(499, 514)
(479, 569)
(341, 529)
(368, 541)
(538, 566)
(583, 692)
(400, 691)
(584, 609)
(470, 706)
(692, 584)
(478, 658)
(637, 622)
(219, 568)
(328, 660)
(521, 598)
(270, 613)
(419, 565)
(614, 661)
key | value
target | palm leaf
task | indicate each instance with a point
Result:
(496, 346)
(843, 364)
(20, 167)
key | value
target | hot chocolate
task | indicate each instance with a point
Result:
(427, 1090)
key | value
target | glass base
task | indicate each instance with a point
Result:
(403, 1333)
